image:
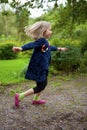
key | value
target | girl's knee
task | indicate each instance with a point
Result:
(38, 89)
(40, 86)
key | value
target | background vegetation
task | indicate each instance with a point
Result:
(69, 25)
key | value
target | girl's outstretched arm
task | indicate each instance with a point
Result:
(62, 49)
(16, 49)
(54, 48)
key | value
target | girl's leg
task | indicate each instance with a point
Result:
(37, 96)
(37, 100)
(37, 90)
(19, 97)
(28, 92)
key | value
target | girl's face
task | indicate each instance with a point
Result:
(47, 33)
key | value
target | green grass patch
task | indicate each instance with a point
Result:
(11, 73)
(10, 70)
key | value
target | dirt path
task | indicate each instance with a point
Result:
(66, 108)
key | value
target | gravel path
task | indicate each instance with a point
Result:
(66, 108)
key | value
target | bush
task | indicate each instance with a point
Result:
(6, 52)
(81, 34)
(67, 61)
(83, 64)
(84, 45)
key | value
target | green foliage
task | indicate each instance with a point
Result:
(10, 70)
(80, 33)
(6, 52)
(10, 39)
(21, 21)
(3, 1)
(83, 63)
(67, 61)
(78, 10)
(84, 45)
(22, 16)
(7, 24)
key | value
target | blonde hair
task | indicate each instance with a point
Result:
(37, 30)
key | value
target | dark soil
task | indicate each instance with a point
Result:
(66, 108)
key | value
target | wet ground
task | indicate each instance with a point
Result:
(65, 109)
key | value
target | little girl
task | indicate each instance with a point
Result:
(40, 60)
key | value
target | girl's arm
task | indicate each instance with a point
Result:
(16, 49)
(53, 48)
(25, 47)
(62, 49)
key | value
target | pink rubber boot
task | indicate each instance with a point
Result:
(38, 102)
(17, 100)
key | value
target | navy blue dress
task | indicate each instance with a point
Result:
(40, 59)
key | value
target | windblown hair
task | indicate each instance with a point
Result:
(37, 30)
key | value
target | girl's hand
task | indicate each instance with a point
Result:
(62, 49)
(16, 49)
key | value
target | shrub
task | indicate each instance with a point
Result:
(83, 63)
(6, 52)
(81, 34)
(84, 45)
(67, 61)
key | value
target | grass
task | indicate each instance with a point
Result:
(10, 70)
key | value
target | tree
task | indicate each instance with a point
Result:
(5, 14)
(78, 10)
(22, 16)
(3, 1)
